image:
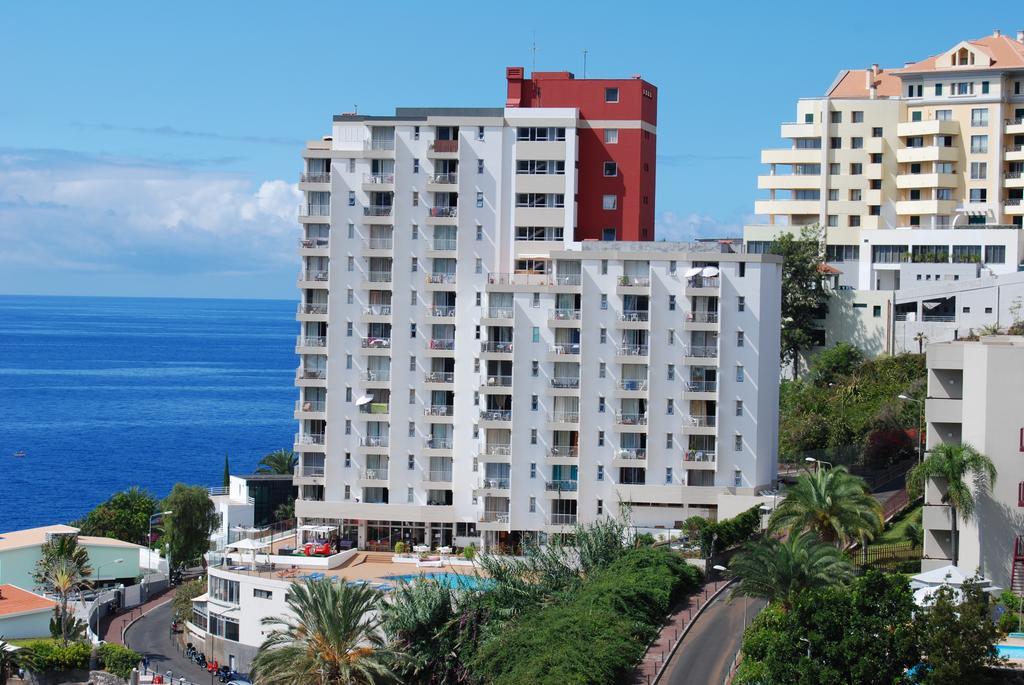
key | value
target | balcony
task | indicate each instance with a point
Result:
(519, 278)
(702, 421)
(380, 244)
(699, 456)
(439, 377)
(315, 244)
(378, 276)
(496, 450)
(563, 452)
(1014, 206)
(792, 155)
(375, 474)
(375, 408)
(564, 417)
(498, 381)
(499, 313)
(928, 153)
(314, 210)
(373, 441)
(442, 476)
(930, 127)
(702, 351)
(563, 349)
(376, 343)
(433, 443)
(444, 244)
(312, 276)
(631, 453)
(496, 415)
(444, 344)
(378, 376)
(562, 485)
(633, 351)
(439, 410)
(445, 279)
(443, 212)
(702, 317)
(495, 483)
(312, 309)
(310, 406)
(566, 382)
(701, 386)
(916, 207)
(565, 314)
(445, 179)
(311, 341)
(562, 520)
(378, 182)
(377, 210)
(302, 374)
(379, 145)
(633, 385)
(310, 471)
(493, 517)
(630, 419)
(440, 312)
(703, 283)
(635, 281)
(1015, 125)
(635, 315)
(444, 147)
(496, 347)
(315, 177)
(309, 438)
(377, 310)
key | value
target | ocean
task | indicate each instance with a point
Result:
(105, 393)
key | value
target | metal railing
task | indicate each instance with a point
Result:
(498, 381)
(938, 318)
(373, 441)
(378, 310)
(638, 385)
(310, 243)
(312, 308)
(311, 341)
(703, 282)
(633, 350)
(567, 279)
(309, 438)
(439, 377)
(439, 410)
(707, 421)
(630, 419)
(562, 485)
(444, 145)
(440, 312)
(375, 408)
(566, 451)
(702, 317)
(702, 386)
(444, 212)
(311, 374)
(496, 414)
(384, 179)
(495, 483)
(565, 382)
(380, 243)
(438, 443)
(379, 276)
(635, 315)
(445, 178)
(636, 453)
(637, 281)
(565, 314)
(310, 405)
(378, 375)
(497, 278)
(443, 476)
(380, 144)
(564, 417)
(499, 347)
(310, 471)
(440, 278)
(565, 348)
(493, 517)
(313, 276)
(377, 210)
(315, 177)
(705, 351)
(497, 450)
(444, 244)
(1013, 202)
(499, 313)
(563, 519)
(376, 343)
(375, 474)
(314, 210)
(442, 343)
(701, 456)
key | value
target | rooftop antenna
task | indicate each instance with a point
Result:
(584, 63)
(534, 50)
(356, 108)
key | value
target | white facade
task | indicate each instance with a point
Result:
(462, 335)
(974, 397)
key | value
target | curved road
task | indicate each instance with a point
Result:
(150, 637)
(707, 651)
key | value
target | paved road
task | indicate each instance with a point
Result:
(150, 637)
(707, 651)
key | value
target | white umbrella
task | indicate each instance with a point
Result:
(365, 399)
(709, 271)
(690, 273)
(248, 544)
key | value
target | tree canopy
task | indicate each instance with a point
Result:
(278, 462)
(803, 292)
(188, 527)
(125, 516)
(833, 504)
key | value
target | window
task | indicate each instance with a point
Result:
(533, 436)
(351, 230)
(533, 469)
(738, 443)
(853, 221)
(979, 195)
(479, 232)
(348, 329)
(741, 303)
(858, 116)
(415, 166)
(414, 265)
(348, 361)
(412, 396)
(856, 143)
(670, 407)
(835, 143)
(836, 117)
(536, 300)
(672, 267)
(604, 335)
(833, 169)
(671, 336)
(608, 234)
(875, 158)
(479, 199)
(671, 303)
(979, 170)
(479, 132)
(856, 169)
(611, 169)
(350, 296)
(411, 462)
(348, 460)
(479, 267)
(938, 89)
(412, 363)
(611, 136)
(412, 298)
(536, 334)
(415, 232)
(600, 476)
(808, 118)
(915, 115)
(412, 330)
(415, 132)
(604, 267)
(479, 166)
(533, 505)
(348, 490)
(602, 370)
(410, 495)
(600, 438)
(348, 427)
(984, 87)
(979, 144)
(739, 338)
(739, 373)
(876, 132)
(668, 474)
(604, 301)
(739, 407)
(611, 94)
(609, 201)
(534, 402)
(833, 195)
(876, 311)
(995, 254)
(944, 194)
(412, 429)
(855, 194)
(415, 199)
(670, 373)
(600, 405)
(832, 220)
(478, 302)
(351, 198)
(979, 117)
(535, 368)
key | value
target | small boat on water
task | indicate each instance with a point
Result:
(20, 453)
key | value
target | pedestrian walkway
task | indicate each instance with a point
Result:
(660, 651)
(112, 627)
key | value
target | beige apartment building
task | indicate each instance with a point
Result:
(973, 397)
(915, 177)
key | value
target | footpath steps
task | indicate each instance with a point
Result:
(376, 558)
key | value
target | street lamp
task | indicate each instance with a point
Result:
(149, 540)
(97, 598)
(920, 421)
(819, 462)
(804, 639)
(746, 598)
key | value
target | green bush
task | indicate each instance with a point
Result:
(597, 632)
(731, 532)
(49, 656)
(399, 547)
(118, 659)
(469, 552)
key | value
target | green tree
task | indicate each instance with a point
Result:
(278, 462)
(920, 338)
(285, 511)
(831, 503)
(952, 464)
(803, 291)
(332, 637)
(63, 570)
(956, 636)
(421, 623)
(12, 659)
(183, 596)
(187, 530)
(778, 570)
(856, 635)
(125, 516)
(831, 363)
(226, 482)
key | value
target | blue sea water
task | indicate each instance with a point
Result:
(106, 393)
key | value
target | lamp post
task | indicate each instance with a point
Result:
(109, 563)
(746, 599)
(818, 462)
(920, 421)
(804, 639)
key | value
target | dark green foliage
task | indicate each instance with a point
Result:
(125, 516)
(226, 481)
(421, 622)
(279, 462)
(730, 532)
(186, 592)
(49, 655)
(957, 639)
(780, 570)
(118, 659)
(858, 635)
(187, 530)
(841, 359)
(594, 634)
(803, 291)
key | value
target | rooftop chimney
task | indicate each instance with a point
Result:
(874, 69)
(996, 33)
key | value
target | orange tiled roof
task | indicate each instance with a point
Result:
(853, 84)
(1004, 51)
(15, 601)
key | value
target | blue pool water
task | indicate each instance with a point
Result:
(105, 393)
(452, 580)
(1011, 651)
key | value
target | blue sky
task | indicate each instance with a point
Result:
(152, 148)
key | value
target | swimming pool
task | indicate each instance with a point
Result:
(452, 580)
(1011, 651)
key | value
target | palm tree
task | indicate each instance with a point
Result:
(332, 638)
(920, 338)
(11, 659)
(278, 462)
(422, 623)
(952, 463)
(832, 503)
(777, 570)
(63, 569)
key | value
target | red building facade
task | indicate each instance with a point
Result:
(617, 147)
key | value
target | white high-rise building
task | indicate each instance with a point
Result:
(470, 374)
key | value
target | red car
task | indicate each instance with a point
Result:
(317, 549)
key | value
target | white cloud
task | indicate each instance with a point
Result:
(686, 227)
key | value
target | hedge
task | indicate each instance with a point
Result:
(730, 532)
(118, 659)
(49, 655)
(598, 632)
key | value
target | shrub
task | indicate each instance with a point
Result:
(469, 552)
(182, 602)
(399, 547)
(118, 659)
(645, 540)
(50, 655)
(731, 532)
